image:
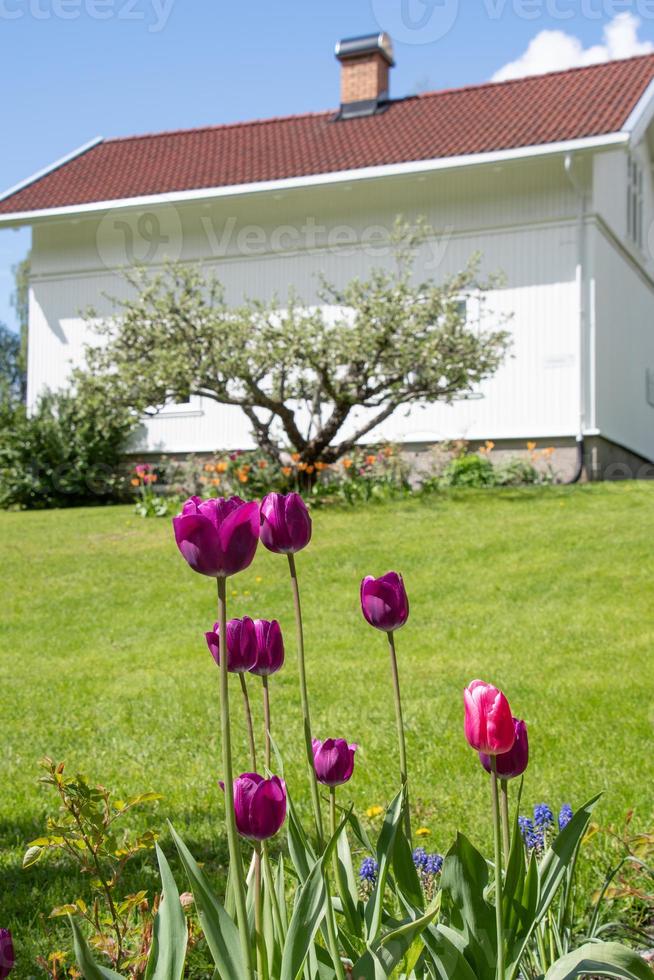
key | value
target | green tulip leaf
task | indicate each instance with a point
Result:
(385, 847)
(299, 847)
(219, 929)
(405, 875)
(89, 968)
(561, 853)
(444, 953)
(463, 880)
(379, 961)
(601, 959)
(308, 913)
(169, 935)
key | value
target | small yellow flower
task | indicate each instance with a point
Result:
(258, 579)
(234, 593)
(374, 811)
(246, 592)
(423, 832)
(531, 446)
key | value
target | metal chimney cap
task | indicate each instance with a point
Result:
(353, 47)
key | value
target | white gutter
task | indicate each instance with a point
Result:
(50, 168)
(640, 116)
(323, 179)
(584, 346)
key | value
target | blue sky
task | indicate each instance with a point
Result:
(74, 69)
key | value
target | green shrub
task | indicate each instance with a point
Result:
(64, 453)
(516, 472)
(469, 470)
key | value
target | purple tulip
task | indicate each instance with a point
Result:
(384, 601)
(217, 537)
(514, 762)
(269, 656)
(241, 644)
(285, 523)
(333, 760)
(259, 805)
(7, 956)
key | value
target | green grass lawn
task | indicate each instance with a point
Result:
(548, 593)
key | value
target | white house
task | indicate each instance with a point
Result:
(549, 177)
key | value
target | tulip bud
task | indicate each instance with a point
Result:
(7, 956)
(488, 719)
(384, 601)
(285, 523)
(241, 644)
(333, 760)
(219, 536)
(259, 805)
(269, 656)
(514, 762)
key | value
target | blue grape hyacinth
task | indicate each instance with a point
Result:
(543, 816)
(368, 871)
(565, 815)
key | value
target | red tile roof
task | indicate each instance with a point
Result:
(530, 111)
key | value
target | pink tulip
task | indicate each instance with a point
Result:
(333, 760)
(269, 656)
(514, 762)
(241, 644)
(488, 719)
(219, 536)
(384, 601)
(285, 523)
(259, 805)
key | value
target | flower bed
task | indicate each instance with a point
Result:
(410, 911)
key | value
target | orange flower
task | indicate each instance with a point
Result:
(287, 470)
(321, 466)
(295, 457)
(302, 466)
(216, 481)
(371, 460)
(208, 467)
(388, 451)
(203, 479)
(549, 451)
(243, 477)
(246, 467)
(490, 444)
(221, 467)
(262, 464)
(135, 483)
(531, 446)
(347, 463)
(309, 469)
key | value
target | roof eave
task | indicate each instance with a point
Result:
(324, 179)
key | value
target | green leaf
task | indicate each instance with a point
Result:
(32, 855)
(463, 881)
(299, 847)
(559, 855)
(89, 968)
(605, 959)
(380, 960)
(443, 953)
(219, 929)
(385, 846)
(405, 874)
(347, 886)
(308, 913)
(170, 935)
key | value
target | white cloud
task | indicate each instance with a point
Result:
(556, 50)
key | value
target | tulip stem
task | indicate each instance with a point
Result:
(504, 801)
(248, 721)
(400, 733)
(497, 836)
(315, 796)
(262, 971)
(332, 830)
(266, 716)
(228, 776)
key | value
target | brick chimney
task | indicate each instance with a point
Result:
(365, 67)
